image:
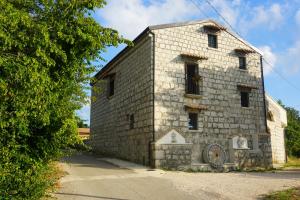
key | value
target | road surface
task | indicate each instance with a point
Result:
(90, 178)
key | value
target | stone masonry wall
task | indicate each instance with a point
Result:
(172, 156)
(133, 94)
(224, 117)
(276, 130)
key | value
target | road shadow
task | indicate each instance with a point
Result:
(90, 161)
(278, 174)
(87, 196)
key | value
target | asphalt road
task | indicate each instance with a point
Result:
(91, 178)
(95, 178)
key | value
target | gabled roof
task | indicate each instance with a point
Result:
(163, 26)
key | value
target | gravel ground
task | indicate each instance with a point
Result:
(102, 178)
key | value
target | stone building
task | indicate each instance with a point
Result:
(186, 95)
(277, 121)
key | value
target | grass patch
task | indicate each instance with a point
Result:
(256, 169)
(289, 194)
(53, 175)
(37, 182)
(293, 162)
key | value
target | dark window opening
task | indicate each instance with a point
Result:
(192, 79)
(193, 121)
(111, 85)
(270, 116)
(242, 62)
(245, 99)
(131, 121)
(212, 41)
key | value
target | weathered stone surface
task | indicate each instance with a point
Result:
(173, 155)
(110, 131)
(277, 121)
(159, 67)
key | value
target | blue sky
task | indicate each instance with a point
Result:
(271, 26)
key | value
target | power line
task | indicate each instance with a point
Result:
(216, 10)
(280, 75)
(236, 32)
(199, 7)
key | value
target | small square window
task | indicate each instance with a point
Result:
(131, 121)
(212, 41)
(242, 62)
(245, 99)
(193, 121)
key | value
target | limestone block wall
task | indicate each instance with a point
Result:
(277, 121)
(110, 117)
(172, 156)
(224, 117)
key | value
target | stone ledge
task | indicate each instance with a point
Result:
(193, 96)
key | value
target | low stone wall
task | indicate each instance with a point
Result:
(179, 156)
(172, 156)
(260, 157)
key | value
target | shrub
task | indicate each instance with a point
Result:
(46, 53)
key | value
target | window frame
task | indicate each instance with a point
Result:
(191, 81)
(215, 45)
(111, 85)
(131, 121)
(243, 103)
(195, 117)
(244, 61)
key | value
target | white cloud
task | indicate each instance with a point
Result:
(84, 113)
(228, 10)
(297, 17)
(236, 2)
(276, 16)
(290, 61)
(130, 17)
(270, 57)
(286, 62)
(271, 17)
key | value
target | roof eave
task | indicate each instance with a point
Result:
(120, 54)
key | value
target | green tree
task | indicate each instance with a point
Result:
(81, 123)
(46, 53)
(292, 132)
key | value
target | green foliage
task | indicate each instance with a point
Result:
(289, 194)
(292, 162)
(292, 134)
(46, 53)
(81, 123)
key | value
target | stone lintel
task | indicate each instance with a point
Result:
(108, 75)
(195, 107)
(213, 28)
(243, 51)
(193, 96)
(193, 56)
(246, 87)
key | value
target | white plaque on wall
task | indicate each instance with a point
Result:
(172, 137)
(240, 142)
